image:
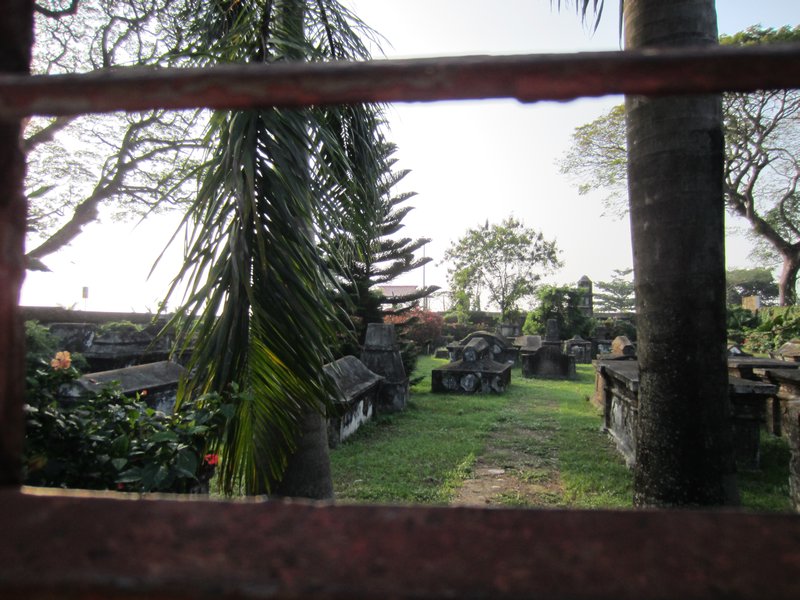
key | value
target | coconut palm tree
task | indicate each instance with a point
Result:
(675, 166)
(258, 307)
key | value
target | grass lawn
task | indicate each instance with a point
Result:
(539, 444)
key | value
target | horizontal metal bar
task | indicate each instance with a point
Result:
(72, 547)
(527, 78)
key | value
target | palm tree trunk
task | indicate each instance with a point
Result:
(675, 170)
(308, 471)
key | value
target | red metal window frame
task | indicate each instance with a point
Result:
(90, 545)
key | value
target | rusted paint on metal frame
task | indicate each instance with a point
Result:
(69, 546)
(526, 78)
(77, 547)
(15, 40)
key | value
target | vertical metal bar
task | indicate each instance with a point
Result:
(16, 35)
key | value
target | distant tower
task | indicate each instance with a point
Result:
(586, 305)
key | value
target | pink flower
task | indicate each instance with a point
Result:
(62, 361)
(211, 459)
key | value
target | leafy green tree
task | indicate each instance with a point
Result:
(259, 305)
(616, 295)
(750, 282)
(598, 159)
(563, 304)
(761, 168)
(504, 261)
(130, 164)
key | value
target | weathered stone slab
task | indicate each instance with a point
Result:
(501, 350)
(744, 366)
(617, 385)
(358, 387)
(548, 363)
(790, 351)
(788, 390)
(527, 343)
(156, 382)
(791, 424)
(381, 355)
(578, 347)
(465, 377)
(748, 407)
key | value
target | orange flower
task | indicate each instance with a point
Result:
(62, 361)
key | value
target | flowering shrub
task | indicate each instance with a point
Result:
(421, 326)
(111, 441)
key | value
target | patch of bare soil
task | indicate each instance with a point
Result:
(491, 485)
(518, 467)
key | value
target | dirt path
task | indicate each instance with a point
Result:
(519, 465)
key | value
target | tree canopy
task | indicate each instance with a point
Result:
(130, 164)
(762, 166)
(758, 281)
(616, 295)
(562, 303)
(504, 261)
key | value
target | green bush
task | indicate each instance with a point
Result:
(109, 440)
(778, 325)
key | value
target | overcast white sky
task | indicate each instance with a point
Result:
(469, 161)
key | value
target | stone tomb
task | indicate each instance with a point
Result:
(381, 355)
(107, 348)
(548, 362)
(474, 372)
(501, 350)
(358, 388)
(157, 382)
(790, 351)
(783, 418)
(578, 347)
(618, 381)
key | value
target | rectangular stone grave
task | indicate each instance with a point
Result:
(358, 387)
(788, 383)
(475, 372)
(548, 363)
(617, 382)
(156, 382)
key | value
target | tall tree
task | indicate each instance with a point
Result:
(563, 304)
(762, 166)
(675, 183)
(750, 282)
(258, 304)
(503, 260)
(376, 255)
(616, 295)
(130, 164)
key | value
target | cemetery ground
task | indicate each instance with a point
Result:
(538, 445)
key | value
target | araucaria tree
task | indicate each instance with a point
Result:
(617, 295)
(503, 261)
(762, 162)
(368, 252)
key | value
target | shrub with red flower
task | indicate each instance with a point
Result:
(420, 326)
(211, 459)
